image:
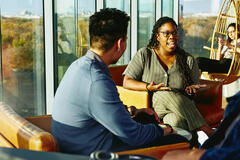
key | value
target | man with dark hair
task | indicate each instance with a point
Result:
(87, 113)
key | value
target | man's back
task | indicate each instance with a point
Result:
(87, 111)
(72, 119)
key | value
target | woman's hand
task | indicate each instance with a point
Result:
(194, 88)
(158, 87)
(221, 42)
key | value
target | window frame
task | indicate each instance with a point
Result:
(49, 37)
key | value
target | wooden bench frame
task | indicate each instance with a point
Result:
(17, 132)
(157, 152)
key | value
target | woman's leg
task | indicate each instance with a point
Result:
(175, 120)
(165, 102)
(213, 66)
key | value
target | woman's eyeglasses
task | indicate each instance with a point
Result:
(168, 34)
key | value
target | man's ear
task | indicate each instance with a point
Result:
(119, 44)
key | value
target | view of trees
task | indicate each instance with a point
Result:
(83, 37)
(22, 47)
(19, 37)
(22, 42)
(72, 41)
(196, 32)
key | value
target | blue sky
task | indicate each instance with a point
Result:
(14, 7)
(201, 6)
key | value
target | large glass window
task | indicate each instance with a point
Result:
(197, 20)
(167, 8)
(22, 43)
(72, 31)
(22, 72)
(146, 20)
(123, 5)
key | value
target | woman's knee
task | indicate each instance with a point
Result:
(175, 120)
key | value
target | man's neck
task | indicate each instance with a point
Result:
(102, 55)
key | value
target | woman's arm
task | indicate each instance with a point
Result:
(130, 83)
(195, 74)
(194, 88)
(134, 72)
(221, 43)
(133, 84)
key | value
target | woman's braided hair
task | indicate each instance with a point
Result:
(181, 55)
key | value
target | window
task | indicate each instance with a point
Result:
(123, 5)
(72, 31)
(196, 21)
(167, 8)
(23, 83)
(146, 20)
(22, 72)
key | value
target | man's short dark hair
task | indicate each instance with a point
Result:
(106, 26)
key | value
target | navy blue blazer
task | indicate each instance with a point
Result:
(230, 148)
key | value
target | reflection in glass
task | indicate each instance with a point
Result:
(85, 10)
(146, 20)
(72, 31)
(196, 24)
(123, 5)
(23, 56)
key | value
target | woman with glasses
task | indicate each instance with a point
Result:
(224, 53)
(171, 75)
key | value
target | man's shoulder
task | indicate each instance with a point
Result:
(86, 66)
(85, 63)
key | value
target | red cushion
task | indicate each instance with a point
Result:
(212, 114)
(209, 102)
